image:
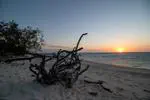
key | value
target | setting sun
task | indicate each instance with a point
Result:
(120, 50)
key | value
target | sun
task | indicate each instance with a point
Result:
(120, 49)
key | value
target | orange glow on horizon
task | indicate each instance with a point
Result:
(117, 48)
(120, 49)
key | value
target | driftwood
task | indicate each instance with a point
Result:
(65, 70)
(93, 93)
(18, 59)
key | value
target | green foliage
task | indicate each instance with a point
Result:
(19, 40)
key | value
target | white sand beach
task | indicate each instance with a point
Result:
(125, 83)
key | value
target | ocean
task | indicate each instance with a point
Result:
(130, 59)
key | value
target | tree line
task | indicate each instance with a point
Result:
(17, 40)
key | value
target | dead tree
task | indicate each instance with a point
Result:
(65, 70)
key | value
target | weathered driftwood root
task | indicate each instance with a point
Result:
(34, 55)
(93, 93)
(19, 59)
(98, 83)
(67, 66)
(65, 70)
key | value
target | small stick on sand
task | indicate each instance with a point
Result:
(99, 83)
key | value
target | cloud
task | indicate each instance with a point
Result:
(53, 48)
(57, 47)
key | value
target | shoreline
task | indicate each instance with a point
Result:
(121, 66)
(133, 60)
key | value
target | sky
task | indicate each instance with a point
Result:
(111, 24)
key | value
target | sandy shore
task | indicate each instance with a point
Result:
(125, 83)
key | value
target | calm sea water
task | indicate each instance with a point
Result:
(136, 60)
